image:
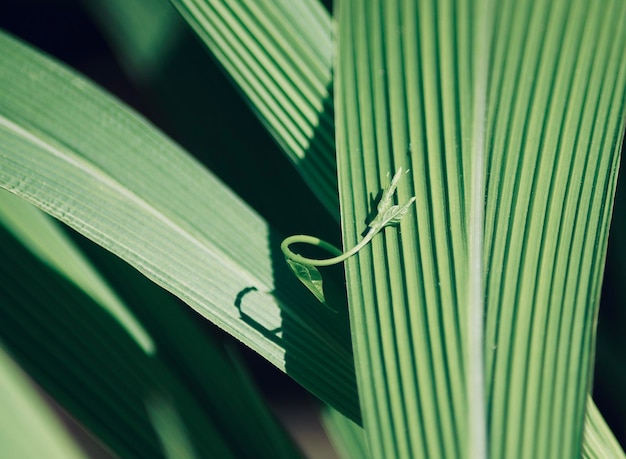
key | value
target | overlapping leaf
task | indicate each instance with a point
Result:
(279, 55)
(599, 442)
(478, 29)
(143, 394)
(90, 162)
(28, 428)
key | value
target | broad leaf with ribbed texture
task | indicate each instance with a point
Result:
(555, 124)
(598, 442)
(473, 324)
(85, 159)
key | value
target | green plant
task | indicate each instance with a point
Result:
(471, 328)
(305, 268)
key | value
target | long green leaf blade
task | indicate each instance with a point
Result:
(599, 441)
(557, 116)
(24, 410)
(406, 327)
(407, 96)
(279, 55)
(83, 358)
(46, 241)
(119, 182)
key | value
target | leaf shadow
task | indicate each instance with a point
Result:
(271, 334)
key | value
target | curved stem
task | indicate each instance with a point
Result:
(338, 258)
(387, 214)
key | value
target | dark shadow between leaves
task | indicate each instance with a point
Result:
(75, 351)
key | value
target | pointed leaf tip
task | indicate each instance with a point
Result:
(311, 278)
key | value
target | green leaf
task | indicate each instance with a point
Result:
(46, 241)
(550, 253)
(85, 159)
(310, 277)
(28, 428)
(79, 351)
(279, 55)
(509, 117)
(349, 439)
(599, 442)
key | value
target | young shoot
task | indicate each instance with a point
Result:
(306, 270)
